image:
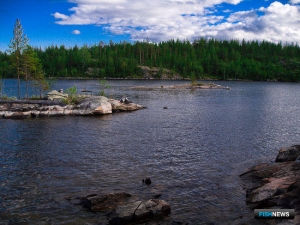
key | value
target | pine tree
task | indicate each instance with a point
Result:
(18, 45)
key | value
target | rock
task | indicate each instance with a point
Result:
(159, 73)
(125, 100)
(147, 181)
(181, 87)
(122, 208)
(55, 95)
(288, 154)
(126, 212)
(275, 185)
(276, 188)
(89, 106)
(108, 202)
(98, 104)
(119, 106)
(140, 211)
(104, 108)
(17, 115)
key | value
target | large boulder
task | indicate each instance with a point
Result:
(99, 105)
(55, 95)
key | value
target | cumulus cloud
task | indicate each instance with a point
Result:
(185, 19)
(76, 32)
(278, 23)
(295, 1)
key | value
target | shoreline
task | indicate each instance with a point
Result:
(182, 87)
(88, 106)
(158, 79)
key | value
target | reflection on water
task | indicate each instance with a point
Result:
(193, 151)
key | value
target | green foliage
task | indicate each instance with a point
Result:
(17, 46)
(104, 85)
(1, 86)
(201, 59)
(72, 91)
(35, 97)
(24, 62)
(193, 79)
(4, 97)
(73, 98)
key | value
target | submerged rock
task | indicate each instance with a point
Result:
(275, 185)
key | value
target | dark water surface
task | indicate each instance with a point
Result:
(193, 152)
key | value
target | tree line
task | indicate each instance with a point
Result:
(201, 59)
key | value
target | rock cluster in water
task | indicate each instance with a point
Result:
(182, 87)
(88, 106)
(122, 208)
(275, 185)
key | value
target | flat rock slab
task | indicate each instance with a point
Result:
(89, 106)
(122, 208)
(181, 87)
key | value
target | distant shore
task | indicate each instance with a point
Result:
(156, 79)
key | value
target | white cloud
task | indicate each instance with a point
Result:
(295, 1)
(279, 23)
(185, 19)
(76, 32)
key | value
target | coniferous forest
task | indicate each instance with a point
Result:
(201, 59)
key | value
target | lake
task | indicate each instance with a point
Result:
(193, 151)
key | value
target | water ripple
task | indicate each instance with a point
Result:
(193, 151)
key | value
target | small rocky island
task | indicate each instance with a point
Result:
(190, 86)
(275, 185)
(56, 106)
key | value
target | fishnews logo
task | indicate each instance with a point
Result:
(274, 213)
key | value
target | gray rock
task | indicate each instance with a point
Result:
(122, 208)
(89, 106)
(275, 185)
(140, 211)
(17, 115)
(126, 212)
(55, 95)
(119, 106)
(98, 104)
(288, 154)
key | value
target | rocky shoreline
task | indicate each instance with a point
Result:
(275, 185)
(87, 106)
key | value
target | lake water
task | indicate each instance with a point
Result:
(193, 151)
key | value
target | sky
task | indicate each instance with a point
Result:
(79, 22)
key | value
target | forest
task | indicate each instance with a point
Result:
(201, 59)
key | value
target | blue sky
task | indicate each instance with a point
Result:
(71, 22)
